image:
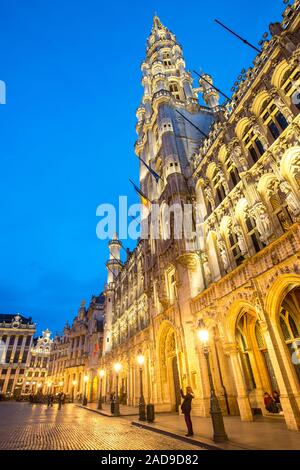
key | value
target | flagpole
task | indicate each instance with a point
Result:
(192, 124)
(238, 36)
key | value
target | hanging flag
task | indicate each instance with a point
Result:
(153, 173)
(144, 199)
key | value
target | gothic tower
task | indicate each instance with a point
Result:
(114, 266)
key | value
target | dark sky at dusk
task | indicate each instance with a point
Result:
(72, 71)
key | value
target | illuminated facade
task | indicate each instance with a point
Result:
(76, 353)
(37, 370)
(242, 277)
(16, 336)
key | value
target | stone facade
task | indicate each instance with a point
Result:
(37, 370)
(76, 353)
(16, 336)
(241, 273)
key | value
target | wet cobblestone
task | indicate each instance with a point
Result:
(34, 427)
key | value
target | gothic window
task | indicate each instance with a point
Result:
(253, 144)
(175, 90)
(244, 354)
(232, 172)
(253, 234)
(218, 187)
(273, 119)
(235, 249)
(290, 326)
(167, 59)
(290, 87)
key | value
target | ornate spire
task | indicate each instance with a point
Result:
(159, 32)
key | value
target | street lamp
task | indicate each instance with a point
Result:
(101, 375)
(74, 383)
(142, 406)
(215, 410)
(117, 368)
(85, 380)
(61, 384)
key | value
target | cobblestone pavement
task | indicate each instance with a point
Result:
(34, 427)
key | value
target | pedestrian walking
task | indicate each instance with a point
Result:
(186, 408)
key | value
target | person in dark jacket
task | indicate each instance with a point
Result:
(270, 404)
(186, 408)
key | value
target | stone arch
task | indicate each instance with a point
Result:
(279, 73)
(223, 152)
(259, 101)
(241, 127)
(244, 329)
(240, 209)
(236, 309)
(277, 301)
(212, 167)
(170, 366)
(290, 167)
(277, 292)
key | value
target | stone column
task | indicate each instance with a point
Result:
(242, 395)
(288, 387)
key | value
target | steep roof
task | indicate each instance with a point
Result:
(8, 318)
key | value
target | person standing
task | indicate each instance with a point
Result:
(59, 401)
(186, 408)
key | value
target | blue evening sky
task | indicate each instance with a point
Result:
(72, 70)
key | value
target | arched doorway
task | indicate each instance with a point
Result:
(169, 368)
(94, 389)
(257, 369)
(289, 321)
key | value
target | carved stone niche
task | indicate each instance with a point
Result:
(189, 261)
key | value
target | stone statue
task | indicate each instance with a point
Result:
(223, 253)
(283, 108)
(292, 202)
(224, 181)
(238, 158)
(206, 268)
(241, 239)
(210, 197)
(263, 222)
(261, 135)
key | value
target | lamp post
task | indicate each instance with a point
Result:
(142, 406)
(101, 375)
(74, 383)
(61, 384)
(117, 368)
(85, 380)
(215, 410)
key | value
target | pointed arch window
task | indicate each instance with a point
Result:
(218, 187)
(253, 234)
(253, 144)
(290, 327)
(244, 355)
(273, 119)
(232, 172)
(167, 59)
(289, 86)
